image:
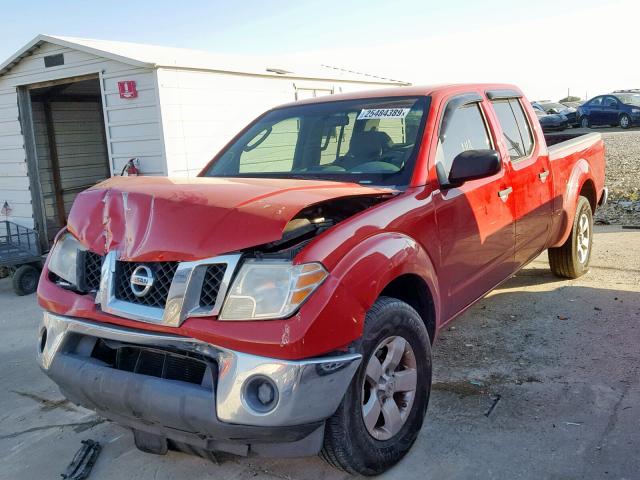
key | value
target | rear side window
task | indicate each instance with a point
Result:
(515, 128)
(466, 131)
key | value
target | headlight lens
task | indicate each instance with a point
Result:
(64, 258)
(270, 289)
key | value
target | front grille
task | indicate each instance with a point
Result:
(163, 273)
(154, 362)
(211, 284)
(92, 270)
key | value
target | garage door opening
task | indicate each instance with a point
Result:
(70, 144)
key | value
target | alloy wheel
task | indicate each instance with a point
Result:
(624, 121)
(584, 236)
(389, 387)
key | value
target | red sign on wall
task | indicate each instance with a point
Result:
(127, 89)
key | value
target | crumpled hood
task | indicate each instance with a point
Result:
(159, 218)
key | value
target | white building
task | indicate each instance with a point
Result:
(74, 111)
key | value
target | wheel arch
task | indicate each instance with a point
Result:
(580, 183)
(391, 264)
(588, 190)
(413, 290)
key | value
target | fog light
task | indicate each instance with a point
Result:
(260, 394)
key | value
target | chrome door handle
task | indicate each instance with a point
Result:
(504, 194)
(543, 175)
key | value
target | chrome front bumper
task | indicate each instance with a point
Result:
(308, 391)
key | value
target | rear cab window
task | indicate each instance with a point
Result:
(516, 130)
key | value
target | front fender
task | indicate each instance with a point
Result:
(361, 276)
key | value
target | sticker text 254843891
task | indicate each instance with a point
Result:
(375, 113)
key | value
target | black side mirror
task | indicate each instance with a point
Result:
(473, 164)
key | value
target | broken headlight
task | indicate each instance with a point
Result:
(65, 258)
(270, 289)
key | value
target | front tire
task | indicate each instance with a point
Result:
(571, 260)
(585, 122)
(382, 412)
(625, 121)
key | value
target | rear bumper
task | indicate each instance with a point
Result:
(213, 415)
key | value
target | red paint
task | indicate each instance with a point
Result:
(127, 89)
(461, 242)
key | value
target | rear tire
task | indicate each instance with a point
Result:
(571, 260)
(382, 412)
(25, 279)
(625, 121)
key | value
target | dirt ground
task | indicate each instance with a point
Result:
(540, 380)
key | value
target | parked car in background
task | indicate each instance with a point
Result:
(573, 104)
(554, 108)
(615, 109)
(550, 121)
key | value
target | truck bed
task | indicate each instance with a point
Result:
(557, 141)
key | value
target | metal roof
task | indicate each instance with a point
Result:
(154, 56)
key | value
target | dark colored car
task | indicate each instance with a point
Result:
(554, 108)
(615, 109)
(550, 121)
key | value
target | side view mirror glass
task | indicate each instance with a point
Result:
(473, 164)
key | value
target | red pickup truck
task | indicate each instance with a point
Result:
(284, 302)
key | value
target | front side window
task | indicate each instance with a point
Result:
(596, 102)
(368, 141)
(516, 131)
(466, 130)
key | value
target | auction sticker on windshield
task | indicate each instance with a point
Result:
(371, 113)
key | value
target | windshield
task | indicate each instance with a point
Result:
(629, 98)
(368, 141)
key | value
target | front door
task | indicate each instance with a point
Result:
(475, 221)
(530, 179)
(595, 111)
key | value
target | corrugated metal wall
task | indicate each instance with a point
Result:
(14, 181)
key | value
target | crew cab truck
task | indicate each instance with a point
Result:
(284, 302)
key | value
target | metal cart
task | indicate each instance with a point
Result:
(20, 254)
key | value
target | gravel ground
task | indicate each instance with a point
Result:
(623, 177)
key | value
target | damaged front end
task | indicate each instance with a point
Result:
(314, 220)
(177, 309)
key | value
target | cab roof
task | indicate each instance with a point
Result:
(411, 91)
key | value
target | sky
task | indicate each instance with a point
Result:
(547, 47)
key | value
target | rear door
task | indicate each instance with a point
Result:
(530, 178)
(475, 225)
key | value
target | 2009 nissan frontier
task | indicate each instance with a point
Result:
(285, 301)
